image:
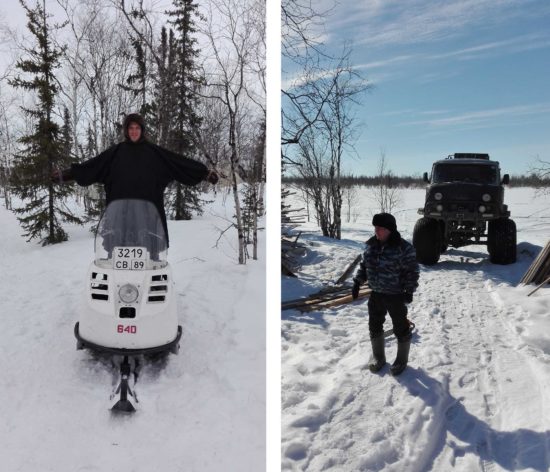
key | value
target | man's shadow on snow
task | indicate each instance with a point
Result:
(512, 450)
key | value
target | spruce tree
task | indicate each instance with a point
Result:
(184, 201)
(67, 136)
(43, 149)
(137, 82)
(162, 106)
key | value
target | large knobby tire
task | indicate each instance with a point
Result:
(501, 241)
(444, 245)
(427, 240)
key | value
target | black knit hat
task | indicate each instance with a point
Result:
(385, 220)
(133, 118)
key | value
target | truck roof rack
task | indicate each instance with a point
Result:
(468, 155)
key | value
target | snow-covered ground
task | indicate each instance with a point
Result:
(476, 394)
(203, 410)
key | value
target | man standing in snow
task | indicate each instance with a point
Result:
(137, 168)
(390, 267)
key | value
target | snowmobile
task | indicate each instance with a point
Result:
(129, 308)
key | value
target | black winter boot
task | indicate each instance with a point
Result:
(378, 354)
(402, 357)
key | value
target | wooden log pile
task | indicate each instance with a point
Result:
(329, 297)
(539, 270)
(326, 298)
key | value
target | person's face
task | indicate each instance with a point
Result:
(134, 132)
(382, 234)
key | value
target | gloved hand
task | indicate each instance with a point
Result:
(212, 177)
(59, 176)
(408, 297)
(355, 289)
(56, 176)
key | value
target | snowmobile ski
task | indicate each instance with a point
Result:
(124, 405)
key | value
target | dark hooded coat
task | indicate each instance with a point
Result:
(140, 170)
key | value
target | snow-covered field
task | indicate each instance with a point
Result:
(476, 394)
(203, 410)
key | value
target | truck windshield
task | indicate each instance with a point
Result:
(480, 174)
(130, 235)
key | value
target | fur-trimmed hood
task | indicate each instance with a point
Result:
(134, 118)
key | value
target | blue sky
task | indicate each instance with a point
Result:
(448, 76)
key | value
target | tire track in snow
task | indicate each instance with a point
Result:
(467, 342)
(485, 371)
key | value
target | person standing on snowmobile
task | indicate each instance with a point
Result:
(137, 168)
(389, 266)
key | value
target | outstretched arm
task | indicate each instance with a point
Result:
(185, 170)
(89, 172)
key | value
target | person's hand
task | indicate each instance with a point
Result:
(56, 176)
(408, 297)
(355, 289)
(213, 177)
(59, 176)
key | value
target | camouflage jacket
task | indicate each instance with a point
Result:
(391, 267)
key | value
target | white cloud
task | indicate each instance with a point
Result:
(382, 23)
(481, 117)
(517, 44)
(386, 62)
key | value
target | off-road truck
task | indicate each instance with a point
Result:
(465, 205)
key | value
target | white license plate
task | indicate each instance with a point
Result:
(129, 258)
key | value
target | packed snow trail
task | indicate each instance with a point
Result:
(475, 396)
(202, 410)
(453, 407)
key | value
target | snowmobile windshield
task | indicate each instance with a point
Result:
(479, 174)
(130, 236)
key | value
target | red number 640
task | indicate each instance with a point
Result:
(132, 329)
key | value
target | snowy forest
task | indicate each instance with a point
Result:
(196, 73)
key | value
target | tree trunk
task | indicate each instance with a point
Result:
(257, 197)
(238, 216)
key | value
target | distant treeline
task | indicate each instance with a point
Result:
(414, 181)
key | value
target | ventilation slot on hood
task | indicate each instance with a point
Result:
(158, 288)
(99, 286)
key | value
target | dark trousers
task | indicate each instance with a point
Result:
(382, 303)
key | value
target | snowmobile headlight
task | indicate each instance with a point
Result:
(438, 195)
(486, 197)
(482, 209)
(128, 293)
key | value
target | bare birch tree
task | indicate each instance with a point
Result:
(386, 194)
(7, 148)
(232, 36)
(322, 145)
(541, 169)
